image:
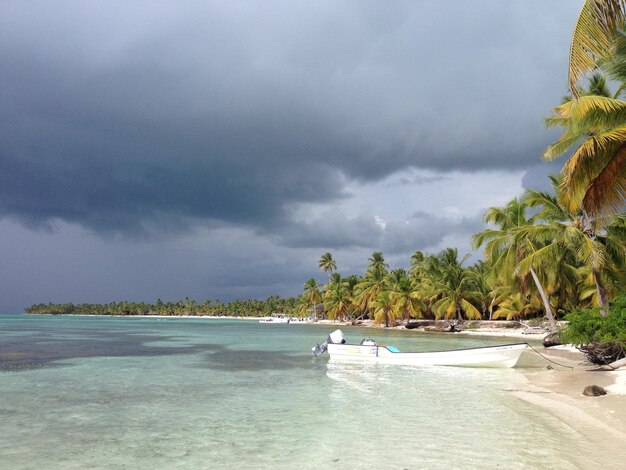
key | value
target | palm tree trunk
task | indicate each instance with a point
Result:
(544, 298)
(603, 295)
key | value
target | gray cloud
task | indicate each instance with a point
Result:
(222, 146)
(117, 117)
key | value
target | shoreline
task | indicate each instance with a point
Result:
(559, 391)
(556, 390)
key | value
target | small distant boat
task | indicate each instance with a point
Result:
(284, 319)
(275, 319)
(369, 351)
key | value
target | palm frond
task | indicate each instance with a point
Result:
(607, 191)
(591, 39)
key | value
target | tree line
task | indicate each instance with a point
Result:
(237, 308)
(540, 259)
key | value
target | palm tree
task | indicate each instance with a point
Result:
(483, 281)
(384, 309)
(312, 294)
(505, 249)
(368, 288)
(327, 263)
(337, 301)
(406, 299)
(595, 173)
(453, 288)
(377, 261)
(562, 231)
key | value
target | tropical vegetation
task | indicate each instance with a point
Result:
(238, 308)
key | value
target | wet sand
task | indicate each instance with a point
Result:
(601, 420)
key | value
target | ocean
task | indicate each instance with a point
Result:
(138, 393)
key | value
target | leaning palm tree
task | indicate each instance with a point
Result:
(368, 288)
(505, 249)
(327, 263)
(562, 232)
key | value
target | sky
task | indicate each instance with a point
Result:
(215, 149)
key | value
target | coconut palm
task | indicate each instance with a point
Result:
(383, 307)
(483, 280)
(515, 305)
(337, 301)
(505, 249)
(563, 233)
(327, 263)
(312, 293)
(368, 288)
(377, 261)
(407, 300)
(452, 288)
(595, 173)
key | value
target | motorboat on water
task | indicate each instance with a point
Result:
(275, 319)
(369, 351)
(284, 319)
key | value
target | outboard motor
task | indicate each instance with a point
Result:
(336, 337)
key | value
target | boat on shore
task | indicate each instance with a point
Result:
(504, 356)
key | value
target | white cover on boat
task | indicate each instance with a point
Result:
(336, 337)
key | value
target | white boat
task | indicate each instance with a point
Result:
(283, 319)
(369, 351)
(275, 319)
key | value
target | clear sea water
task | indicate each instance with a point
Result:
(150, 393)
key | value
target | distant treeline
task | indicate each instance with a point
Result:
(241, 308)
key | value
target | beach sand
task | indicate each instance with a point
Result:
(602, 420)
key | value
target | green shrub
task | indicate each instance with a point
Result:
(601, 338)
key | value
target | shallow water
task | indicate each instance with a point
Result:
(122, 393)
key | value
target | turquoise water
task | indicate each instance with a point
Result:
(125, 393)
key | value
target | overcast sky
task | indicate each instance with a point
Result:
(217, 149)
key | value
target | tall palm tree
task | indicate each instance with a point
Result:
(562, 231)
(368, 288)
(377, 261)
(505, 249)
(327, 264)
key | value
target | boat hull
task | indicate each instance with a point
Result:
(489, 356)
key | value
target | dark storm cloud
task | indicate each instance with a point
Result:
(119, 116)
